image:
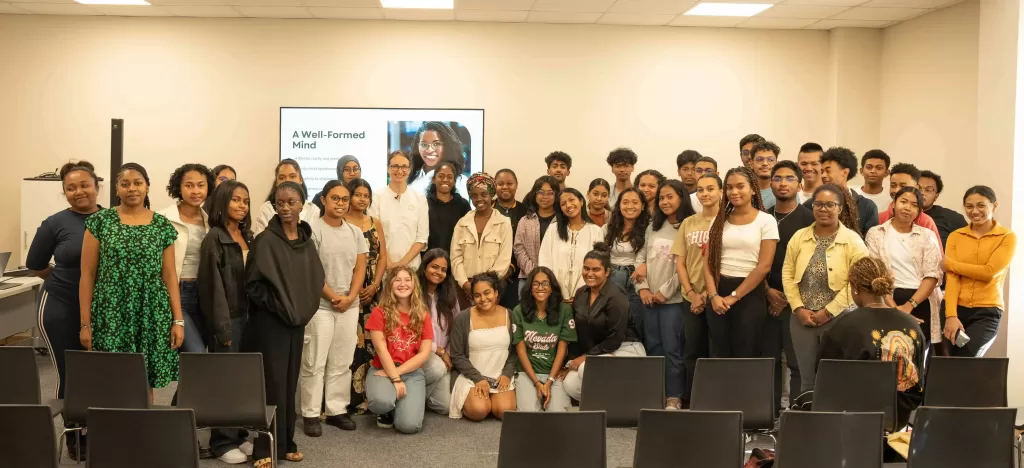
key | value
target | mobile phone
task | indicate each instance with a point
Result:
(961, 338)
(492, 382)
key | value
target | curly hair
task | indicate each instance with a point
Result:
(908, 169)
(725, 208)
(787, 164)
(174, 185)
(926, 174)
(489, 277)
(685, 209)
(450, 142)
(844, 157)
(870, 274)
(875, 154)
(563, 220)
(616, 228)
(447, 300)
(528, 305)
(621, 156)
(558, 156)
(752, 138)
(765, 146)
(418, 311)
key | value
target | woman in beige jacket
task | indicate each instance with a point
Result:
(482, 240)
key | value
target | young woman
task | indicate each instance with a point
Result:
(603, 324)
(128, 294)
(435, 142)
(223, 302)
(482, 240)
(647, 182)
(597, 199)
(440, 294)
(815, 277)
(376, 265)
(625, 234)
(60, 237)
(330, 337)
(977, 259)
(287, 170)
(403, 213)
(446, 207)
(567, 242)
(349, 169)
(402, 333)
(507, 184)
(741, 248)
(877, 332)
(223, 173)
(689, 251)
(481, 343)
(284, 279)
(189, 186)
(534, 226)
(543, 328)
(913, 255)
(663, 314)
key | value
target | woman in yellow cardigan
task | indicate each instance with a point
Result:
(977, 259)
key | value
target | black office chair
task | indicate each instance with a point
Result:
(745, 385)
(962, 437)
(101, 380)
(697, 439)
(26, 437)
(857, 387)
(622, 386)
(829, 440)
(966, 382)
(133, 438)
(226, 390)
(575, 439)
(21, 379)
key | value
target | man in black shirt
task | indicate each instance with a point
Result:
(945, 219)
(507, 184)
(792, 217)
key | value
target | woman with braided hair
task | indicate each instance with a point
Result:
(482, 240)
(435, 142)
(739, 254)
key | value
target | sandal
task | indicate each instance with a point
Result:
(263, 463)
(294, 457)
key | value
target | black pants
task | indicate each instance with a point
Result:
(737, 333)
(923, 311)
(777, 340)
(510, 294)
(695, 343)
(981, 324)
(281, 346)
(58, 322)
(224, 440)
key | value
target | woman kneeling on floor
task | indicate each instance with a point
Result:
(481, 350)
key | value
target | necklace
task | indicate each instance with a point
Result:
(776, 215)
(881, 305)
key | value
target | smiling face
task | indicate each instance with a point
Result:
(906, 208)
(668, 201)
(833, 173)
(444, 180)
(224, 175)
(595, 275)
(826, 209)
(238, 207)
(708, 192)
(898, 181)
(763, 163)
(336, 202)
(738, 190)
(649, 187)
(597, 198)
(481, 198)
(785, 184)
(545, 197)
(350, 171)
(194, 188)
(431, 149)
(540, 287)
(81, 191)
(570, 205)
(437, 271)
(484, 296)
(288, 204)
(398, 168)
(360, 199)
(132, 188)
(630, 206)
(402, 284)
(810, 165)
(979, 209)
(506, 186)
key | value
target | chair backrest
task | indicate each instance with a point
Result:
(857, 386)
(815, 440)
(697, 439)
(26, 437)
(966, 382)
(224, 389)
(745, 385)
(958, 437)
(575, 439)
(21, 376)
(103, 380)
(622, 386)
(132, 438)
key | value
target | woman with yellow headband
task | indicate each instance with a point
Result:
(482, 240)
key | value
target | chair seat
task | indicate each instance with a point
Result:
(894, 465)
(56, 407)
(269, 414)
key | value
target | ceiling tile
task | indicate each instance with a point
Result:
(131, 10)
(501, 5)
(776, 23)
(909, 3)
(831, 23)
(707, 21)
(201, 11)
(8, 9)
(347, 13)
(550, 17)
(636, 19)
(879, 14)
(844, 3)
(415, 14)
(495, 16)
(801, 11)
(59, 9)
(652, 7)
(574, 6)
(273, 12)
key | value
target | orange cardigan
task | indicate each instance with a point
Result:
(976, 267)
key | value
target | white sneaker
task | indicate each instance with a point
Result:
(234, 457)
(246, 448)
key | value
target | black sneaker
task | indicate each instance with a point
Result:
(386, 421)
(341, 421)
(74, 451)
(311, 427)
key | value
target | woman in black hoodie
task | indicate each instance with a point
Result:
(284, 279)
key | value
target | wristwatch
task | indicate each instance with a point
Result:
(180, 323)
(913, 302)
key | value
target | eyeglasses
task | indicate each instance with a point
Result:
(287, 203)
(350, 170)
(434, 146)
(546, 193)
(704, 170)
(541, 285)
(400, 167)
(336, 199)
(789, 179)
(745, 152)
(929, 190)
(223, 178)
(825, 206)
(763, 159)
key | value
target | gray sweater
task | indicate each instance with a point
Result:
(661, 263)
(458, 346)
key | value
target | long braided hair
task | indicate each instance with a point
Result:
(451, 145)
(714, 251)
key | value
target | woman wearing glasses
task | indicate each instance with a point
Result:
(543, 327)
(223, 173)
(435, 142)
(815, 277)
(540, 203)
(404, 214)
(287, 170)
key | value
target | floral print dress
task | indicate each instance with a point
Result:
(131, 308)
(364, 347)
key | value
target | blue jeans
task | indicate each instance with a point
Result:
(620, 277)
(383, 398)
(663, 336)
(194, 323)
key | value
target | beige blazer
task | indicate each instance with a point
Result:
(472, 254)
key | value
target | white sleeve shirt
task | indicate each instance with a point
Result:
(405, 220)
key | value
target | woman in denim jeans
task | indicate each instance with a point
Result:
(625, 235)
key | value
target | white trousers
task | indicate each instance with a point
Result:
(329, 344)
(573, 382)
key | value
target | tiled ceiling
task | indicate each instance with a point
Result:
(784, 14)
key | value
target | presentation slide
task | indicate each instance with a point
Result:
(318, 137)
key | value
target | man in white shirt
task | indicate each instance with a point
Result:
(874, 167)
(809, 160)
(404, 215)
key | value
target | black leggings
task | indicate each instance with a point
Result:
(981, 325)
(59, 326)
(923, 311)
(737, 333)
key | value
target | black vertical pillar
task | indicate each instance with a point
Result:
(116, 156)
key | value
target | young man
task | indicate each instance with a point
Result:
(874, 167)
(763, 157)
(686, 163)
(622, 162)
(505, 203)
(809, 159)
(838, 167)
(946, 220)
(907, 175)
(792, 217)
(559, 164)
(746, 144)
(704, 166)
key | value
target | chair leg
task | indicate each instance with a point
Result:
(78, 443)
(60, 444)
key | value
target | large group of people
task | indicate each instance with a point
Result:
(407, 297)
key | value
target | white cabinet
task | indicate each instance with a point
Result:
(41, 198)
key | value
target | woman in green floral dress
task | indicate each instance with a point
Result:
(129, 291)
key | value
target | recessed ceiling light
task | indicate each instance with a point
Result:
(421, 4)
(113, 2)
(728, 9)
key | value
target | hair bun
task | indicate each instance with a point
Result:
(76, 165)
(602, 247)
(882, 286)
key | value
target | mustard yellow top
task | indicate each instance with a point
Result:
(976, 267)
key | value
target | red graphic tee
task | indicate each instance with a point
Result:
(403, 344)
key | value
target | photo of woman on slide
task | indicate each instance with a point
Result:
(432, 143)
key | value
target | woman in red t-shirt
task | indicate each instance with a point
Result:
(402, 333)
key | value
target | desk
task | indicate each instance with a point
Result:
(19, 308)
